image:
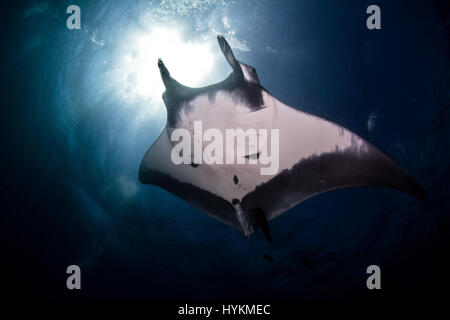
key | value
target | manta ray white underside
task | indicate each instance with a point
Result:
(315, 155)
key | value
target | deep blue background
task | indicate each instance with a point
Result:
(70, 152)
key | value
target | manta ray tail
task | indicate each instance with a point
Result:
(260, 220)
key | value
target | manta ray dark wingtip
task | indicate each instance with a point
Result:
(414, 188)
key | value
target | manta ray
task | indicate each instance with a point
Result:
(315, 155)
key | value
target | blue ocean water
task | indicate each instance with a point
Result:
(76, 123)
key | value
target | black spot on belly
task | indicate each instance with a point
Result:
(235, 201)
(195, 165)
(235, 179)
